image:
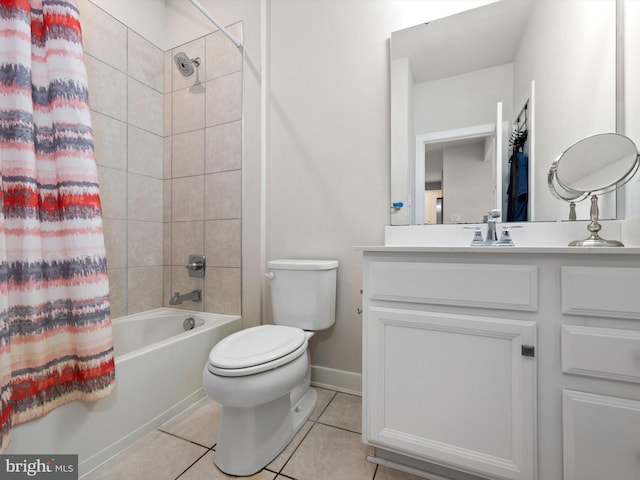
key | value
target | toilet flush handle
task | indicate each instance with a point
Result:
(270, 275)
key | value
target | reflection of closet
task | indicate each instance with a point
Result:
(517, 191)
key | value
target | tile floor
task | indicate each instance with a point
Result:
(328, 447)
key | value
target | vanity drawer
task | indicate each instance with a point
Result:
(601, 352)
(506, 287)
(601, 292)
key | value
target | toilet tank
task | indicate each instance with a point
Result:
(303, 293)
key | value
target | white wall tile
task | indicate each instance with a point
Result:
(144, 244)
(145, 152)
(167, 114)
(145, 107)
(144, 288)
(136, 164)
(166, 200)
(223, 57)
(168, 71)
(223, 242)
(187, 238)
(166, 152)
(110, 141)
(224, 147)
(166, 235)
(118, 291)
(113, 192)
(187, 110)
(97, 25)
(144, 198)
(167, 290)
(107, 89)
(188, 151)
(223, 195)
(145, 62)
(115, 233)
(187, 199)
(223, 290)
(224, 99)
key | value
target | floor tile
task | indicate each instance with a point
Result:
(324, 397)
(157, 456)
(198, 424)
(277, 464)
(330, 453)
(205, 469)
(386, 473)
(344, 411)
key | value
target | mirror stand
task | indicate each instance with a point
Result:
(594, 227)
(594, 166)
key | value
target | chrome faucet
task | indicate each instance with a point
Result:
(177, 299)
(492, 235)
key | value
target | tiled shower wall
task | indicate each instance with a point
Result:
(169, 152)
(203, 194)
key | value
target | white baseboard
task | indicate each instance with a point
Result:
(340, 380)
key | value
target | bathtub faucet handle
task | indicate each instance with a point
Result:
(196, 265)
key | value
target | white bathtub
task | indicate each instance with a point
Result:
(158, 374)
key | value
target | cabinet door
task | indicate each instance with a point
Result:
(451, 389)
(601, 437)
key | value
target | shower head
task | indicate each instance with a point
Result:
(185, 64)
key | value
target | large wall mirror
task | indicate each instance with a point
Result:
(483, 102)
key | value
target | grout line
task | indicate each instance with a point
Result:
(187, 469)
(313, 422)
(182, 438)
(295, 449)
(327, 405)
(339, 428)
(279, 472)
(278, 475)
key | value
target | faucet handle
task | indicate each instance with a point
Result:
(477, 235)
(196, 265)
(505, 236)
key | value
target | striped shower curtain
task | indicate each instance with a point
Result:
(55, 327)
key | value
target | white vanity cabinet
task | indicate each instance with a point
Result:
(502, 363)
(601, 430)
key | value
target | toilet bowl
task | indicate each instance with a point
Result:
(262, 375)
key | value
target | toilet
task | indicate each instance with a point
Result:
(262, 375)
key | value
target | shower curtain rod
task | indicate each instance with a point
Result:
(204, 11)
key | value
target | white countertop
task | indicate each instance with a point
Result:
(500, 250)
(528, 238)
(531, 237)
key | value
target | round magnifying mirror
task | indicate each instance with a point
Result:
(594, 166)
(597, 164)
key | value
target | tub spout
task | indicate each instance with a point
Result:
(177, 299)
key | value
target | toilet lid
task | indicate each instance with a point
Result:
(255, 346)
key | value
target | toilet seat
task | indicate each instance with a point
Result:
(256, 350)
